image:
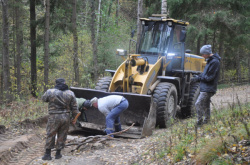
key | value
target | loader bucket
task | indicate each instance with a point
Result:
(138, 112)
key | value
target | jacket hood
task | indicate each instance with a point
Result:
(216, 55)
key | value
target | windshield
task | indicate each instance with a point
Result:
(155, 38)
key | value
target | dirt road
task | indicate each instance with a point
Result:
(25, 145)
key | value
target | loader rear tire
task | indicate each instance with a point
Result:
(194, 93)
(103, 83)
(165, 96)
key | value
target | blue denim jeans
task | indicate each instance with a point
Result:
(113, 118)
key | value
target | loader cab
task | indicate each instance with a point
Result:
(163, 37)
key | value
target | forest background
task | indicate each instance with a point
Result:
(42, 40)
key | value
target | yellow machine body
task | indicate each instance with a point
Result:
(155, 81)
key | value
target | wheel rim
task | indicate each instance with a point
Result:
(171, 105)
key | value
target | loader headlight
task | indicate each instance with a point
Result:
(170, 23)
(170, 56)
(121, 52)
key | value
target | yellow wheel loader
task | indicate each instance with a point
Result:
(155, 80)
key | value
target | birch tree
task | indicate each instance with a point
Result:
(164, 7)
(139, 15)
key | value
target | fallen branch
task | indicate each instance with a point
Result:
(120, 132)
(92, 138)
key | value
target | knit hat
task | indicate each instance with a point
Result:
(206, 49)
(94, 100)
(87, 104)
(60, 81)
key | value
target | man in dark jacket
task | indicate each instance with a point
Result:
(208, 83)
(62, 102)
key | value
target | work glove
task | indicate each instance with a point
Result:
(195, 79)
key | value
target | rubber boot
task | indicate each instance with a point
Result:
(118, 127)
(47, 155)
(199, 123)
(109, 132)
(58, 154)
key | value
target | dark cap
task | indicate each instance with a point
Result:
(60, 81)
(87, 104)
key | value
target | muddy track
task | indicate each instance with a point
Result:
(22, 142)
(19, 149)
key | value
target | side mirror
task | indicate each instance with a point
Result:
(188, 51)
(183, 35)
(121, 52)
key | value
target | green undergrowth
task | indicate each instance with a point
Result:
(20, 110)
(212, 143)
(228, 85)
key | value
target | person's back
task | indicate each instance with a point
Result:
(62, 102)
(106, 104)
(59, 101)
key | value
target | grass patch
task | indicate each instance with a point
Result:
(222, 86)
(212, 150)
(207, 144)
(18, 111)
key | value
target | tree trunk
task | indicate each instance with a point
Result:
(238, 67)
(46, 46)
(222, 68)
(205, 38)
(249, 68)
(75, 36)
(93, 38)
(33, 47)
(13, 49)
(139, 26)
(98, 19)
(1, 97)
(213, 46)
(110, 7)
(163, 6)
(117, 12)
(19, 42)
(6, 64)
(198, 45)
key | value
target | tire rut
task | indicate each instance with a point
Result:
(21, 149)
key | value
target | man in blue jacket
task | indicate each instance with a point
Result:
(208, 84)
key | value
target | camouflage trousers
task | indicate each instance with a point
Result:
(202, 106)
(58, 124)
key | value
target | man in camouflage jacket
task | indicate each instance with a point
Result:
(62, 102)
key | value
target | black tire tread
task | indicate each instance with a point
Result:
(103, 83)
(193, 95)
(160, 95)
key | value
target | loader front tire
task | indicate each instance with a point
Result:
(103, 83)
(165, 96)
(193, 96)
